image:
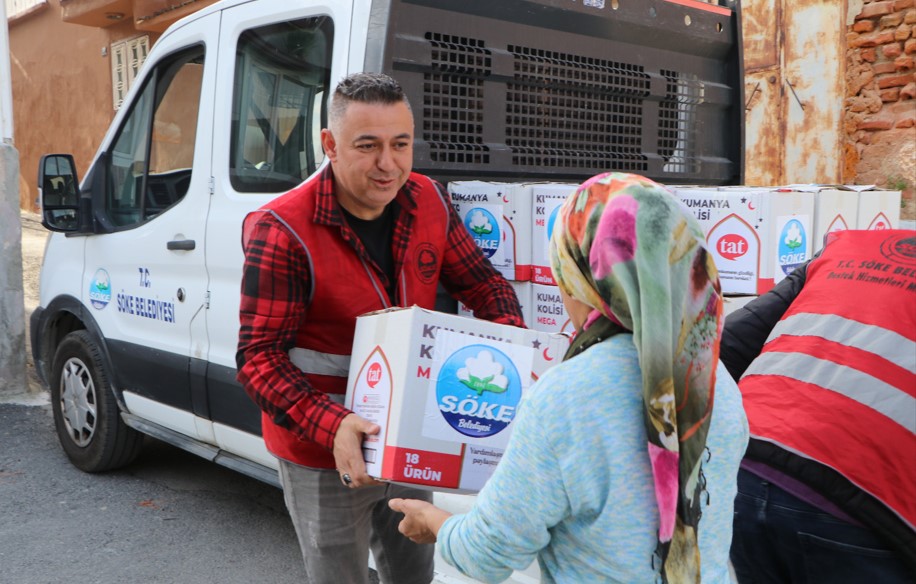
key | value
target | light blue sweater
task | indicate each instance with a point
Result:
(574, 488)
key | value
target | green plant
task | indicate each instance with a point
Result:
(896, 183)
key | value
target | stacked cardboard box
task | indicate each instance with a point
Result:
(512, 224)
(498, 217)
(840, 207)
(756, 236)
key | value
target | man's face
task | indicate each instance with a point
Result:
(371, 151)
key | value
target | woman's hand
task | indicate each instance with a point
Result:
(421, 521)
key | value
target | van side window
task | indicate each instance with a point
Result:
(149, 168)
(282, 75)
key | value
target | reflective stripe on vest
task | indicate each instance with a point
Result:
(318, 363)
(888, 344)
(852, 383)
(885, 398)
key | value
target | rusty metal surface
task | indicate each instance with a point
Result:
(814, 81)
(761, 33)
(794, 58)
(764, 149)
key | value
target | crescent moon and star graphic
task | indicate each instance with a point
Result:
(537, 345)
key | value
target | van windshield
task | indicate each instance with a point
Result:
(282, 76)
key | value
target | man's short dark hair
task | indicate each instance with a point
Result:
(370, 88)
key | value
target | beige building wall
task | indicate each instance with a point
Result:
(62, 96)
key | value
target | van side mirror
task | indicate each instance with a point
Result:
(59, 192)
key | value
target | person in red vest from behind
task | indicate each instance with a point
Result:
(827, 368)
(364, 234)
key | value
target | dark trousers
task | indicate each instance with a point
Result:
(779, 538)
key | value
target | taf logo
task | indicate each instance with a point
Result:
(373, 374)
(484, 228)
(100, 289)
(792, 246)
(731, 246)
(478, 390)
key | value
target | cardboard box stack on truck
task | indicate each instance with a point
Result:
(138, 319)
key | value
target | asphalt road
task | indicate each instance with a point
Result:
(169, 517)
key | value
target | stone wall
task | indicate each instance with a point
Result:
(880, 124)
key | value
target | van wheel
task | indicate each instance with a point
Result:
(86, 414)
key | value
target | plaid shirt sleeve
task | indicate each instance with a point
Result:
(275, 288)
(469, 276)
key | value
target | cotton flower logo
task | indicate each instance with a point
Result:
(482, 374)
(101, 281)
(480, 224)
(793, 237)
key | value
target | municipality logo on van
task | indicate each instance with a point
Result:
(100, 290)
(792, 246)
(478, 389)
(484, 228)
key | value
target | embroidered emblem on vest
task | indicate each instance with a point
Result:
(901, 249)
(427, 262)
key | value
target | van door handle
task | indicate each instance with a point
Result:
(181, 245)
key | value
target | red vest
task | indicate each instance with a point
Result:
(344, 286)
(836, 381)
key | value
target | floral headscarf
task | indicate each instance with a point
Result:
(626, 247)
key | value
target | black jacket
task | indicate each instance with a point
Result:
(746, 330)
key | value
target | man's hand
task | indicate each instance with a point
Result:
(422, 520)
(348, 450)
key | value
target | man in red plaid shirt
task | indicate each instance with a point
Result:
(364, 234)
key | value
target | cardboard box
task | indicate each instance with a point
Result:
(756, 235)
(878, 209)
(498, 217)
(444, 390)
(548, 312)
(522, 291)
(836, 208)
(547, 198)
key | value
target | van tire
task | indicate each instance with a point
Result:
(86, 413)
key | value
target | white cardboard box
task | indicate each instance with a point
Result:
(444, 389)
(547, 199)
(522, 291)
(878, 209)
(548, 312)
(498, 217)
(756, 235)
(836, 208)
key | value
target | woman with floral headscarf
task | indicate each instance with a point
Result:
(623, 459)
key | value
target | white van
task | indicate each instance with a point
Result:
(138, 320)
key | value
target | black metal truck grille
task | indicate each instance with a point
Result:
(560, 90)
(676, 122)
(569, 111)
(453, 99)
